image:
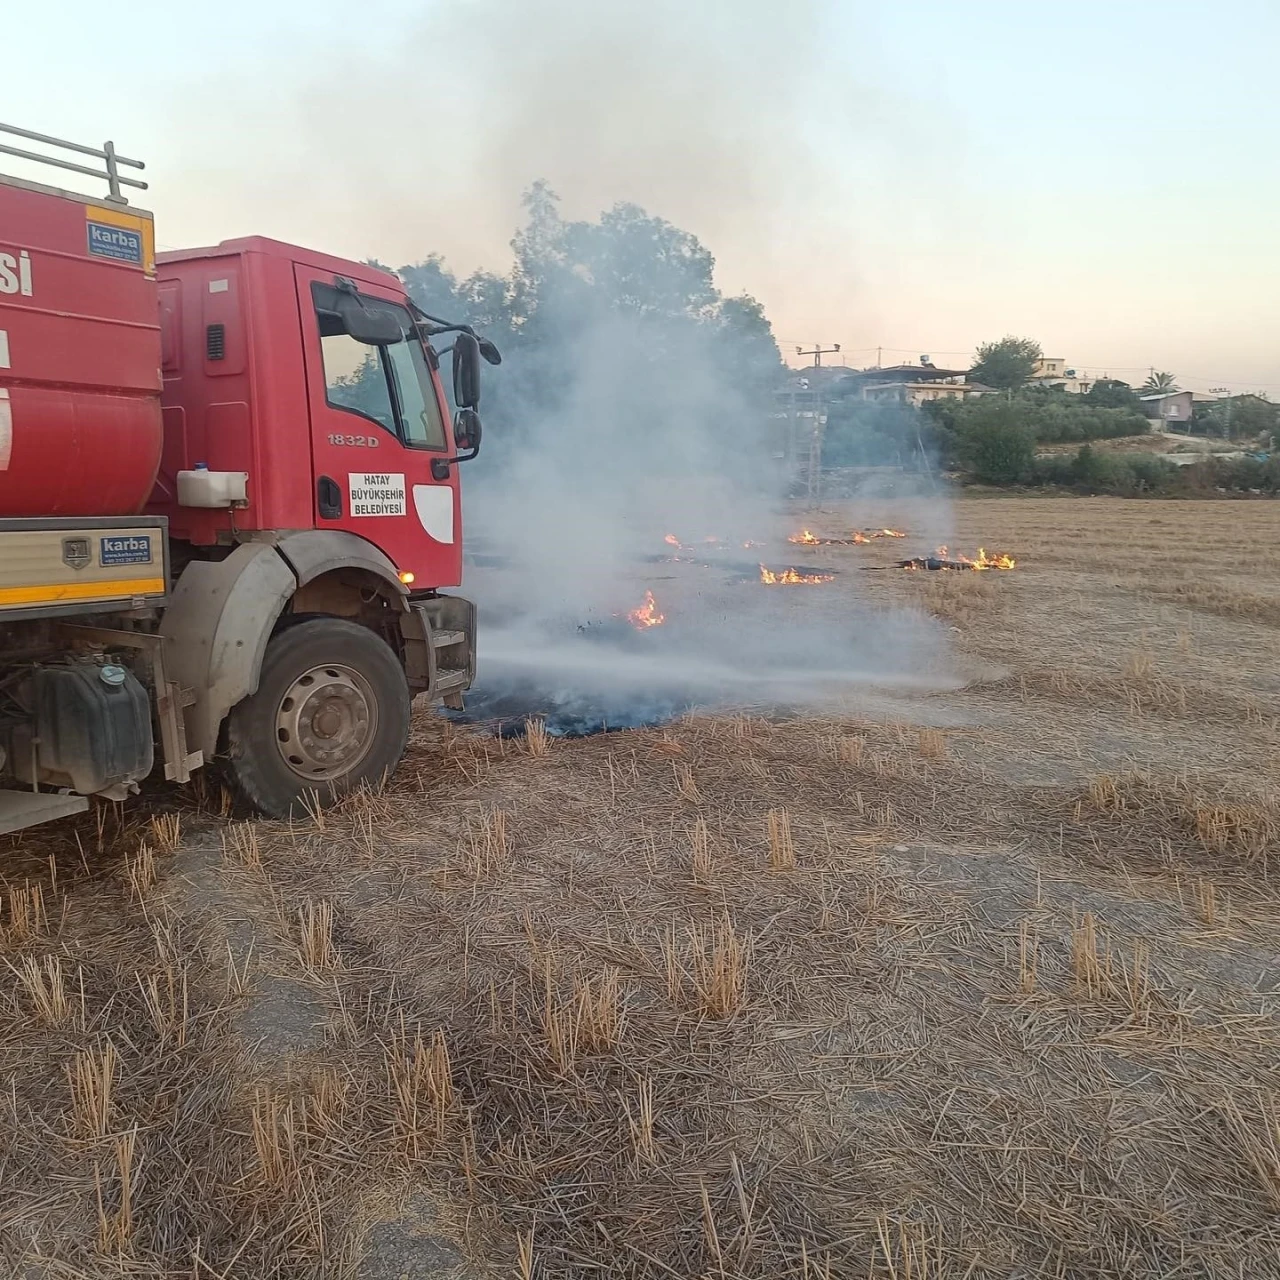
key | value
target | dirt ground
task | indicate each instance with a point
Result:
(986, 985)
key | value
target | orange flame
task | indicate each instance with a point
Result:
(997, 561)
(858, 538)
(790, 577)
(984, 561)
(647, 615)
(671, 540)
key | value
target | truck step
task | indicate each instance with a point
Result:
(443, 639)
(19, 809)
(447, 680)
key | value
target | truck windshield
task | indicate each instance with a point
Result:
(387, 383)
(409, 375)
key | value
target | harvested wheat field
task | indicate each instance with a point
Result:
(985, 987)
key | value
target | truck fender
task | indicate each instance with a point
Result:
(313, 552)
(216, 627)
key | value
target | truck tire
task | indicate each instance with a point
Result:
(331, 712)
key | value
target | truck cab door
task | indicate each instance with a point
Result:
(378, 422)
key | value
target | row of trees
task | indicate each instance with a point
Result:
(1091, 470)
(994, 441)
(617, 324)
(1010, 363)
(997, 439)
(991, 436)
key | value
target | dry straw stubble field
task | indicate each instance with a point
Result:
(985, 989)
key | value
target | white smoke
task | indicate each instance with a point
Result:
(648, 434)
(702, 114)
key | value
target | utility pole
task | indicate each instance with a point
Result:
(813, 468)
(1225, 391)
(818, 352)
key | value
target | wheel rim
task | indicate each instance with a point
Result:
(326, 722)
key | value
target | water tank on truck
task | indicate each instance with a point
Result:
(80, 355)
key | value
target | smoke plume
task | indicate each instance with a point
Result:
(635, 401)
(640, 411)
(719, 115)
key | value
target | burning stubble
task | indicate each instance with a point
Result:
(574, 511)
(945, 559)
(858, 538)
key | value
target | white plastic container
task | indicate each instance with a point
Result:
(204, 488)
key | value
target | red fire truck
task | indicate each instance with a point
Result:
(229, 506)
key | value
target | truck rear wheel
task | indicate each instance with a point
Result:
(331, 712)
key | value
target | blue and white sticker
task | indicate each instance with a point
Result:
(115, 242)
(128, 549)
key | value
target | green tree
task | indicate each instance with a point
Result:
(1061, 416)
(748, 350)
(994, 443)
(1247, 417)
(1093, 471)
(540, 265)
(643, 264)
(1159, 382)
(432, 286)
(1006, 364)
(616, 322)
(1111, 393)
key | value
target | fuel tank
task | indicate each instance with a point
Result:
(80, 424)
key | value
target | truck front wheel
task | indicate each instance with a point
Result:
(331, 712)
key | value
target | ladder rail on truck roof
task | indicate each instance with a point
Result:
(107, 153)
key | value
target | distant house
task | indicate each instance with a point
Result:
(1053, 371)
(913, 384)
(1049, 367)
(1174, 407)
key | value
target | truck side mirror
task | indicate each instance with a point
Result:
(466, 435)
(467, 430)
(466, 371)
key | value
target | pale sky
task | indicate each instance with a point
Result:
(920, 175)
